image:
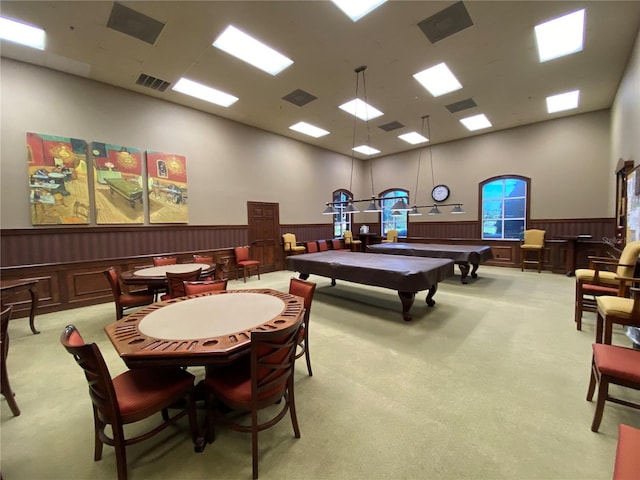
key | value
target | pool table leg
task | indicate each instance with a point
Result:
(407, 301)
(303, 276)
(464, 270)
(432, 291)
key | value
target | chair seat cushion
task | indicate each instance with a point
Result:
(617, 361)
(248, 263)
(143, 391)
(594, 289)
(627, 464)
(526, 246)
(586, 275)
(135, 299)
(234, 383)
(615, 306)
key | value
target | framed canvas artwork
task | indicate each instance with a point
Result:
(168, 192)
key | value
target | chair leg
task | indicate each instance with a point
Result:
(8, 393)
(254, 442)
(593, 380)
(306, 352)
(578, 307)
(121, 452)
(98, 426)
(603, 393)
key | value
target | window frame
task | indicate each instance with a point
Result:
(341, 221)
(527, 199)
(399, 192)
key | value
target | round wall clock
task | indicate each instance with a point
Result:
(440, 193)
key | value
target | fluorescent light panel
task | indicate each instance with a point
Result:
(17, 32)
(477, 122)
(413, 138)
(356, 9)
(563, 101)
(366, 150)
(561, 36)
(438, 80)
(208, 94)
(308, 129)
(360, 109)
(237, 43)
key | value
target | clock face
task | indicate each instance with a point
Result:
(440, 193)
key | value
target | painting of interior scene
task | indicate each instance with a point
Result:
(59, 187)
(117, 176)
(168, 192)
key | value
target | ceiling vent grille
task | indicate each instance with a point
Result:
(446, 22)
(135, 24)
(387, 127)
(152, 82)
(299, 97)
(461, 105)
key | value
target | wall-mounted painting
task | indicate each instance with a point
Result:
(117, 176)
(168, 191)
(58, 182)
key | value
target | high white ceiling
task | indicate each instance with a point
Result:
(495, 59)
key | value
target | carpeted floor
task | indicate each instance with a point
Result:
(488, 384)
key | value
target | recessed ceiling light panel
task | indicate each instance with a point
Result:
(356, 9)
(360, 109)
(308, 129)
(413, 138)
(203, 92)
(560, 36)
(21, 33)
(477, 122)
(563, 101)
(237, 43)
(366, 150)
(438, 80)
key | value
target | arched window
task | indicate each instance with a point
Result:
(504, 207)
(342, 221)
(393, 220)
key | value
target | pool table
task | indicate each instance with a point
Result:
(406, 275)
(130, 191)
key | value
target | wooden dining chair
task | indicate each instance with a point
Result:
(312, 247)
(162, 261)
(306, 290)
(616, 310)
(203, 259)
(323, 246)
(336, 244)
(264, 380)
(175, 283)
(129, 397)
(244, 262)
(627, 463)
(192, 288)
(5, 386)
(123, 300)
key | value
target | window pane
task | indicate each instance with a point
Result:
(492, 209)
(492, 229)
(393, 222)
(513, 229)
(514, 208)
(492, 190)
(504, 208)
(515, 188)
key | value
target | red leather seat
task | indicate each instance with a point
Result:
(245, 263)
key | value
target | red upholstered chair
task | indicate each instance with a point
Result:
(203, 259)
(304, 289)
(122, 300)
(4, 378)
(322, 246)
(312, 247)
(616, 365)
(161, 261)
(627, 466)
(192, 288)
(175, 283)
(245, 263)
(336, 244)
(264, 380)
(130, 397)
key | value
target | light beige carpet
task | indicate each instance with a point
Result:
(488, 384)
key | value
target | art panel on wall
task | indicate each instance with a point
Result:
(117, 175)
(168, 191)
(58, 181)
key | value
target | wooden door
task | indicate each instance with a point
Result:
(264, 234)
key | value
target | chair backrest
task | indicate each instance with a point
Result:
(392, 235)
(175, 282)
(273, 355)
(90, 359)
(161, 261)
(322, 245)
(534, 237)
(203, 259)
(242, 253)
(191, 288)
(304, 289)
(628, 259)
(312, 247)
(112, 276)
(289, 240)
(348, 237)
(5, 316)
(335, 244)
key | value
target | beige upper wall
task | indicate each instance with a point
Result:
(230, 163)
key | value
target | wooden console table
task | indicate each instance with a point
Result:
(10, 288)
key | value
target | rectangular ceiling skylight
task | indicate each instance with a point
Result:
(208, 94)
(23, 34)
(413, 138)
(477, 122)
(237, 43)
(366, 150)
(438, 80)
(360, 109)
(356, 9)
(308, 129)
(563, 101)
(560, 36)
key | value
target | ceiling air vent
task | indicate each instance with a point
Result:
(135, 24)
(387, 127)
(152, 82)
(299, 97)
(461, 105)
(446, 22)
